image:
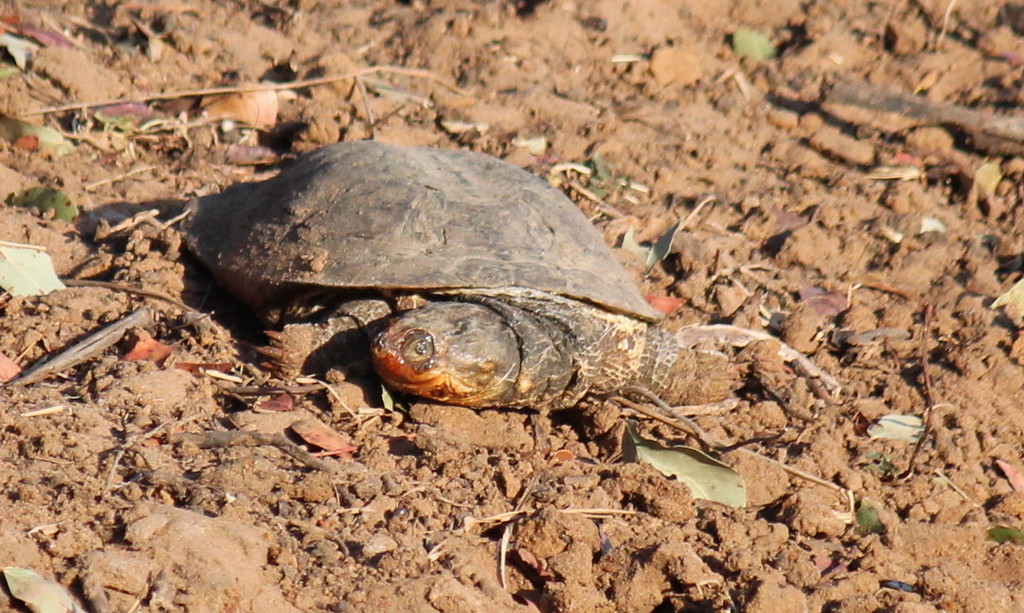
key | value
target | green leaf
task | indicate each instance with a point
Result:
(631, 245)
(38, 594)
(663, 246)
(753, 44)
(896, 427)
(46, 199)
(12, 129)
(1014, 296)
(1005, 534)
(707, 478)
(651, 254)
(27, 272)
(867, 519)
(19, 48)
(386, 399)
(987, 178)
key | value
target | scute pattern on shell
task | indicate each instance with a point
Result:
(368, 215)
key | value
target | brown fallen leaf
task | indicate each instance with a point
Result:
(902, 158)
(1012, 474)
(280, 403)
(8, 368)
(45, 37)
(824, 302)
(563, 455)
(256, 108)
(147, 348)
(529, 559)
(27, 142)
(785, 220)
(322, 436)
(665, 304)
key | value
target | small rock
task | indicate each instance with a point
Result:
(930, 139)
(787, 120)
(800, 329)
(831, 142)
(905, 36)
(773, 597)
(378, 544)
(681, 65)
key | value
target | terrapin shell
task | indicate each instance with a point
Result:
(369, 215)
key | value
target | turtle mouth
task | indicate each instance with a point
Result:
(409, 362)
(440, 352)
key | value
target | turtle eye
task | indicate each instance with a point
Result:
(417, 348)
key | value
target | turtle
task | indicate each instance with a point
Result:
(469, 280)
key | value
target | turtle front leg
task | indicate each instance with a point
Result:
(334, 337)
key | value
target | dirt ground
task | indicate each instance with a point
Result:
(886, 284)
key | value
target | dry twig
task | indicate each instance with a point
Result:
(90, 346)
(209, 91)
(741, 337)
(995, 134)
(926, 391)
(247, 438)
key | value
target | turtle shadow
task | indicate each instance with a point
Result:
(110, 226)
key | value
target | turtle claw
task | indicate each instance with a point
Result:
(275, 353)
(282, 360)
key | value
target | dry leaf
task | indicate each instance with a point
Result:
(27, 272)
(280, 403)
(1012, 474)
(14, 130)
(148, 349)
(563, 455)
(320, 435)
(1013, 296)
(256, 108)
(665, 304)
(8, 368)
(784, 220)
(39, 595)
(823, 302)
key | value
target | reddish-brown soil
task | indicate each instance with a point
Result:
(104, 496)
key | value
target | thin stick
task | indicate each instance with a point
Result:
(247, 438)
(45, 411)
(371, 121)
(264, 390)
(803, 474)
(22, 246)
(678, 422)
(741, 337)
(91, 186)
(696, 211)
(926, 391)
(712, 444)
(130, 440)
(998, 132)
(90, 346)
(130, 290)
(239, 89)
(945, 24)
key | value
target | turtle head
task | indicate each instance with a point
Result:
(453, 352)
